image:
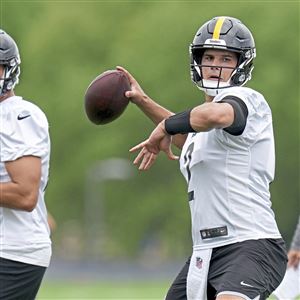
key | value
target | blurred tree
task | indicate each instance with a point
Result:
(65, 45)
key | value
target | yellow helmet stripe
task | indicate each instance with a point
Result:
(218, 26)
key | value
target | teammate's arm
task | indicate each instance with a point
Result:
(22, 191)
(294, 253)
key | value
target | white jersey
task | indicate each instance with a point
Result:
(228, 177)
(24, 236)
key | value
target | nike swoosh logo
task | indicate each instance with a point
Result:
(246, 284)
(20, 117)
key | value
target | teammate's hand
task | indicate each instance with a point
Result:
(136, 95)
(158, 141)
(294, 258)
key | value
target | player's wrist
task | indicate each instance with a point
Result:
(163, 126)
(140, 100)
(179, 123)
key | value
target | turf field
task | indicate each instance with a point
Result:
(81, 290)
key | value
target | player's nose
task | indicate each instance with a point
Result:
(215, 64)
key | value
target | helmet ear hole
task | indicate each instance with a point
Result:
(239, 77)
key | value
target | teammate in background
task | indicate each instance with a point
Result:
(228, 162)
(51, 222)
(290, 286)
(25, 246)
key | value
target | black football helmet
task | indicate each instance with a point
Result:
(225, 33)
(10, 59)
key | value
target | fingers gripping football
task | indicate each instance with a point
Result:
(136, 93)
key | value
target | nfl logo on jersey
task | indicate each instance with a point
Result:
(199, 262)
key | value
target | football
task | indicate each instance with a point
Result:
(105, 97)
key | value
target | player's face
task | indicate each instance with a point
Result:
(1, 75)
(218, 64)
(1, 71)
(6, 95)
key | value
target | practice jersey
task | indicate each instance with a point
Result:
(228, 177)
(24, 236)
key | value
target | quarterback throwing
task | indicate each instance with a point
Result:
(228, 162)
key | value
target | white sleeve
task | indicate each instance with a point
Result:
(259, 118)
(24, 136)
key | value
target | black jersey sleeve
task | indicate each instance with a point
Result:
(240, 115)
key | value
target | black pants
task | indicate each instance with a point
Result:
(19, 281)
(250, 268)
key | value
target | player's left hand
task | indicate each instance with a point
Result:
(159, 140)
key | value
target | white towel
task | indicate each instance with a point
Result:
(289, 288)
(197, 275)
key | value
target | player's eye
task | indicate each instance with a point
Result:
(227, 59)
(207, 58)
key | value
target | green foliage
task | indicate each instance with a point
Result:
(64, 45)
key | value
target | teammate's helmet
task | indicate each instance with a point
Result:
(10, 59)
(228, 34)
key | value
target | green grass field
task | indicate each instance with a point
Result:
(81, 290)
(101, 290)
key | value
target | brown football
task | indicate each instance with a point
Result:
(105, 97)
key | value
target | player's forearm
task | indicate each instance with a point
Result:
(14, 196)
(155, 112)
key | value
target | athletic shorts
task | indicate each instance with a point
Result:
(251, 269)
(19, 281)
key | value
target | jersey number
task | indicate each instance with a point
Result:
(187, 160)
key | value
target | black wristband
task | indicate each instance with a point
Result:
(179, 123)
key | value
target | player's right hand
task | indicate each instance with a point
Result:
(136, 95)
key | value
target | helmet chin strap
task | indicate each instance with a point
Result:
(213, 88)
(210, 92)
(1, 87)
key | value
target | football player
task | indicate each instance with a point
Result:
(25, 246)
(290, 285)
(228, 162)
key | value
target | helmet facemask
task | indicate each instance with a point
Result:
(239, 76)
(10, 77)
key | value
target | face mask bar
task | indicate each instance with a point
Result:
(212, 87)
(10, 76)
